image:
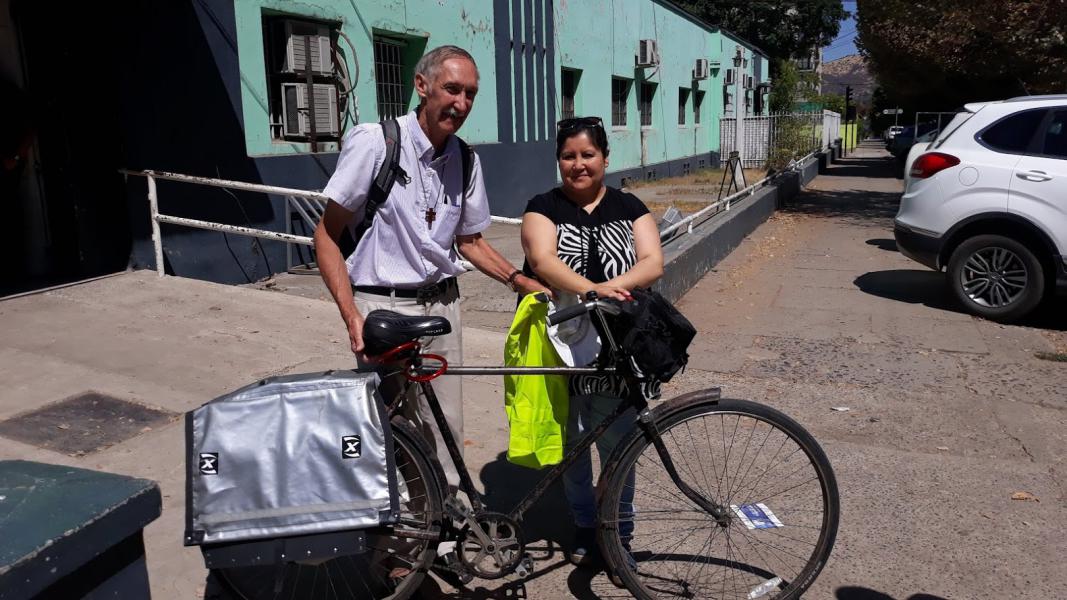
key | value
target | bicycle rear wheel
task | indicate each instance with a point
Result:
(774, 482)
(392, 567)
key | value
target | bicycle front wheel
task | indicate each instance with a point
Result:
(393, 565)
(774, 485)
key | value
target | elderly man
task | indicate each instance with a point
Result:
(406, 261)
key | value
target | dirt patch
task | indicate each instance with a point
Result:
(700, 177)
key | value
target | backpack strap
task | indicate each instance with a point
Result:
(386, 177)
(380, 187)
(467, 154)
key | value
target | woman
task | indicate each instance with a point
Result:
(586, 237)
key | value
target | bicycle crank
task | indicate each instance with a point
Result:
(491, 545)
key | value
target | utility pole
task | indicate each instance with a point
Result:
(848, 113)
(739, 116)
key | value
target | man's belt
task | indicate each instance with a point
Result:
(426, 292)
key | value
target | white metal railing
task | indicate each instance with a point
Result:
(308, 204)
(709, 211)
(763, 133)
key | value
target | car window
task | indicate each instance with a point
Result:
(1013, 133)
(1055, 142)
(953, 125)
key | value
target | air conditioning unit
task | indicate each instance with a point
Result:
(701, 70)
(729, 77)
(296, 114)
(647, 53)
(298, 59)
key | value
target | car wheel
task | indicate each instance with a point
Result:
(996, 277)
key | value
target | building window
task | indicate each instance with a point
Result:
(683, 101)
(296, 50)
(620, 92)
(727, 100)
(759, 100)
(569, 83)
(698, 101)
(648, 93)
(389, 78)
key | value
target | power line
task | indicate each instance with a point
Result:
(841, 43)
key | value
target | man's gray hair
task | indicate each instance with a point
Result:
(431, 62)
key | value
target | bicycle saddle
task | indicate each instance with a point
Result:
(384, 330)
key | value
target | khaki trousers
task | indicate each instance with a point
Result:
(449, 389)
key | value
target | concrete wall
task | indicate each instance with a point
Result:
(689, 257)
(189, 93)
(423, 24)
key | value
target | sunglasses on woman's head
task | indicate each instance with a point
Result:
(579, 122)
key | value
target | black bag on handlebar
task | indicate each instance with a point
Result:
(653, 336)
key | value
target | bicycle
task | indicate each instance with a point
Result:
(705, 498)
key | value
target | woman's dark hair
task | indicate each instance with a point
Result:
(591, 126)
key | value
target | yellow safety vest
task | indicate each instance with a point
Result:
(536, 405)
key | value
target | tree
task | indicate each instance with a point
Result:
(782, 29)
(834, 102)
(941, 55)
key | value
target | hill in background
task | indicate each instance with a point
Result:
(848, 70)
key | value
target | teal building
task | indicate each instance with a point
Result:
(263, 90)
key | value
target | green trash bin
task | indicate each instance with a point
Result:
(73, 533)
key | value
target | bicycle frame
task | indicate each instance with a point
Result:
(635, 400)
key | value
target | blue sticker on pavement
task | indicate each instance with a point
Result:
(757, 516)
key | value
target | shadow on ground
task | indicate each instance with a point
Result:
(912, 286)
(883, 244)
(859, 206)
(883, 167)
(862, 593)
(546, 526)
(929, 288)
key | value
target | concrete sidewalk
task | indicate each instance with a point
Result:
(942, 417)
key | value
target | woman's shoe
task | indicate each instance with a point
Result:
(584, 549)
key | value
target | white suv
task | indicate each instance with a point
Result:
(987, 203)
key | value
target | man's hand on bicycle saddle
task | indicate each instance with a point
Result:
(355, 334)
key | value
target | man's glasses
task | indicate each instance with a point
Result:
(579, 122)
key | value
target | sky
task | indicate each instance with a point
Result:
(844, 44)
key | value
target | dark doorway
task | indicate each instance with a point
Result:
(71, 59)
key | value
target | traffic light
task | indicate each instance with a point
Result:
(848, 95)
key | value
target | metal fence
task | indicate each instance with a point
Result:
(308, 204)
(769, 136)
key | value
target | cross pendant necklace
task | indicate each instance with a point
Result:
(431, 211)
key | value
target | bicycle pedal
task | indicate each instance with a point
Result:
(525, 567)
(457, 510)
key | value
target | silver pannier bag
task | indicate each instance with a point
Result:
(288, 456)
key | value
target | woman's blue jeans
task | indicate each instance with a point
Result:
(586, 412)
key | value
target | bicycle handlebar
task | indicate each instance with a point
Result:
(565, 314)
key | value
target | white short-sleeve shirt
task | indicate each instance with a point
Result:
(400, 250)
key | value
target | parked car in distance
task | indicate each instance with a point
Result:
(892, 132)
(904, 140)
(986, 202)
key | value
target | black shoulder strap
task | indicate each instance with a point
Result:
(386, 177)
(467, 154)
(380, 187)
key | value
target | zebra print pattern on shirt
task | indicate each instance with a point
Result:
(615, 242)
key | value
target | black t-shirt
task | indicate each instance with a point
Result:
(597, 246)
